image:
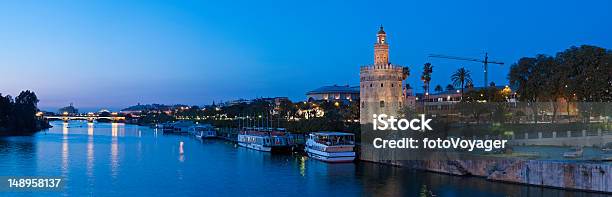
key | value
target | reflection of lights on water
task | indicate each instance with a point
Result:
(65, 128)
(303, 166)
(425, 191)
(114, 129)
(181, 152)
(90, 128)
(114, 149)
(65, 157)
(90, 156)
(114, 157)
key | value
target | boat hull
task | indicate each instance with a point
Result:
(256, 146)
(331, 157)
(205, 135)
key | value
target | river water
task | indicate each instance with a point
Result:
(114, 159)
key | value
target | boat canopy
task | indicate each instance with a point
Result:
(333, 138)
(332, 133)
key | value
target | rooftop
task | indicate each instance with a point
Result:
(381, 31)
(335, 89)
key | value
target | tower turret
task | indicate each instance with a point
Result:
(381, 48)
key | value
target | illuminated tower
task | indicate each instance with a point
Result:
(381, 83)
(381, 48)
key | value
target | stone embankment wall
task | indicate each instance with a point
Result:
(569, 138)
(567, 175)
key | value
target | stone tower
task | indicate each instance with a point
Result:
(381, 83)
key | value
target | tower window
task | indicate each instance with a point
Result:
(382, 103)
(391, 85)
(381, 85)
(370, 85)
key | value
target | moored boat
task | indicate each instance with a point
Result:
(265, 140)
(575, 152)
(331, 146)
(178, 127)
(607, 147)
(203, 131)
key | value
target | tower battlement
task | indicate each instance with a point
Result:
(393, 67)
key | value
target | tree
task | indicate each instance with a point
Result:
(405, 72)
(19, 115)
(460, 78)
(438, 88)
(473, 105)
(469, 85)
(588, 69)
(286, 109)
(426, 76)
(555, 79)
(6, 105)
(25, 109)
(450, 87)
(527, 77)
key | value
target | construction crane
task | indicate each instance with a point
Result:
(485, 63)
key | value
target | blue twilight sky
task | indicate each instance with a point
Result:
(114, 54)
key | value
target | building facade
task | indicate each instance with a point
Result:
(381, 89)
(334, 93)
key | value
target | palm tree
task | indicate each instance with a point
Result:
(438, 88)
(426, 76)
(460, 78)
(450, 87)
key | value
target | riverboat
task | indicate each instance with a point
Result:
(575, 152)
(203, 131)
(331, 146)
(266, 140)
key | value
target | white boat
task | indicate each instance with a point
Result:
(203, 131)
(607, 147)
(178, 127)
(331, 146)
(267, 141)
(574, 152)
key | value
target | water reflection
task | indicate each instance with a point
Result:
(65, 128)
(181, 152)
(114, 129)
(302, 160)
(90, 150)
(65, 153)
(90, 128)
(114, 150)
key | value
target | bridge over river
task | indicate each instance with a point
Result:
(89, 118)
